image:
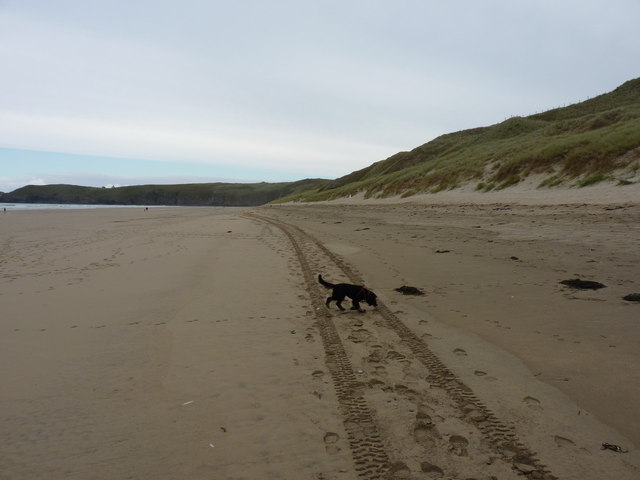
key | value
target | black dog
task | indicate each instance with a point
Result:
(357, 294)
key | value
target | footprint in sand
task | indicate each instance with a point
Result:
(399, 470)
(407, 392)
(426, 433)
(458, 445)
(374, 382)
(423, 414)
(309, 337)
(474, 414)
(330, 442)
(393, 355)
(563, 441)
(379, 370)
(488, 378)
(318, 374)
(375, 356)
(533, 403)
(428, 467)
(460, 352)
(360, 335)
(331, 437)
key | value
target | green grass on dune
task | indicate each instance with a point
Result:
(572, 146)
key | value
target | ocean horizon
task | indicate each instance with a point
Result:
(68, 206)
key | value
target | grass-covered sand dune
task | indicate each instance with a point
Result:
(575, 146)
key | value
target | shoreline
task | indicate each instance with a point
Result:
(72, 206)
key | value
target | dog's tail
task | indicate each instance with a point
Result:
(323, 282)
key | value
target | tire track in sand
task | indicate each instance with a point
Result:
(369, 450)
(369, 455)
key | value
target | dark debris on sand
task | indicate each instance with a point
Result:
(583, 284)
(406, 290)
(632, 297)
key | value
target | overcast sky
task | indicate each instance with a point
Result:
(151, 91)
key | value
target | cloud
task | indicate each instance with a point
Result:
(9, 184)
(308, 88)
(208, 144)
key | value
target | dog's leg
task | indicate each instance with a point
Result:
(356, 306)
(339, 303)
(329, 299)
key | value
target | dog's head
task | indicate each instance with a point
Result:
(371, 298)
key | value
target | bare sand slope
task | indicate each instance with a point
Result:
(194, 343)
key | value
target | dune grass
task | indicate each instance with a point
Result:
(576, 145)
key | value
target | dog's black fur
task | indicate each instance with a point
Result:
(357, 294)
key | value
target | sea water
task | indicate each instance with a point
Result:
(63, 206)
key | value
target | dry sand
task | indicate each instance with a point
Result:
(192, 342)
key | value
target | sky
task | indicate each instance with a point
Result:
(125, 92)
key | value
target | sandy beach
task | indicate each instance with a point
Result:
(194, 342)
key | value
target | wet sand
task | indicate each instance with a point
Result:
(190, 343)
